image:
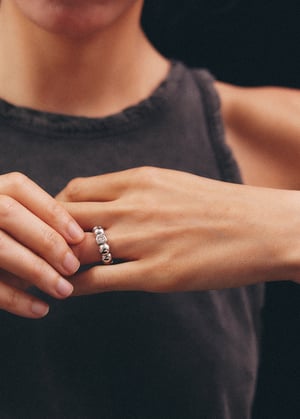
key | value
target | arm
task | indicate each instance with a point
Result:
(180, 232)
(263, 129)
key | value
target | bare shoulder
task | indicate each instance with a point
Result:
(262, 126)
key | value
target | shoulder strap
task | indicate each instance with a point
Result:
(212, 108)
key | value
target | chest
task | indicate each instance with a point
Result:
(52, 160)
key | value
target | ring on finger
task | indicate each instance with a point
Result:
(103, 245)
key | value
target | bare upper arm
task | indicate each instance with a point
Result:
(262, 127)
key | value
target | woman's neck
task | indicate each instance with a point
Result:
(93, 76)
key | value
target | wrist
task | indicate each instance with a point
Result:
(286, 238)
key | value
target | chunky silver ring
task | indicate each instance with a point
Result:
(104, 248)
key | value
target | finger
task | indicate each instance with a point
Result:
(32, 268)
(18, 302)
(111, 186)
(126, 245)
(13, 280)
(123, 277)
(107, 187)
(87, 251)
(89, 214)
(30, 195)
(36, 235)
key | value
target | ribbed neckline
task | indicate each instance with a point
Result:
(126, 120)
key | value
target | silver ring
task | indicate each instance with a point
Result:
(103, 246)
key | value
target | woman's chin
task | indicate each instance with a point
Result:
(75, 19)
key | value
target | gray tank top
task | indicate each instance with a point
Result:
(130, 355)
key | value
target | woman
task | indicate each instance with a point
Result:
(84, 93)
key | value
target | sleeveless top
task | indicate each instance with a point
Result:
(130, 355)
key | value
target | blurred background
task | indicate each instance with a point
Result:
(246, 43)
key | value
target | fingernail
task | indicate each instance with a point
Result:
(74, 231)
(39, 309)
(71, 263)
(64, 288)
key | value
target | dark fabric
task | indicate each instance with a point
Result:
(130, 355)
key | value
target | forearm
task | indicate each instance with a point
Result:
(179, 232)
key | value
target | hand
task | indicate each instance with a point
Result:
(35, 234)
(179, 232)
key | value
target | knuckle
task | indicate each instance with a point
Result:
(3, 243)
(12, 299)
(51, 241)
(105, 284)
(144, 172)
(162, 282)
(146, 272)
(101, 280)
(73, 188)
(56, 211)
(17, 179)
(7, 206)
(146, 176)
(38, 272)
(143, 214)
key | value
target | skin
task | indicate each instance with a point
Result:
(46, 68)
(232, 227)
(41, 45)
(75, 19)
(243, 234)
(35, 237)
(263, 127)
